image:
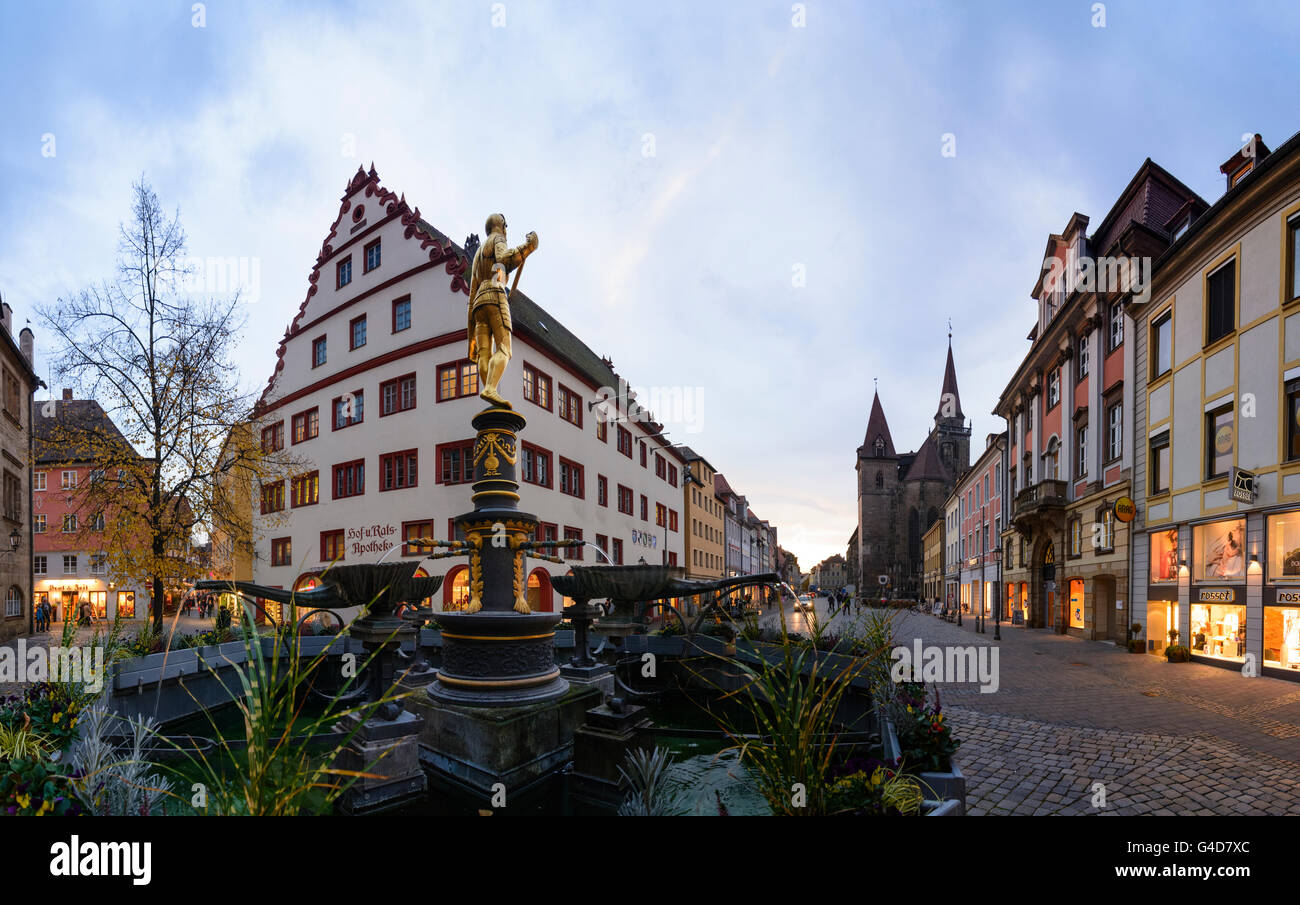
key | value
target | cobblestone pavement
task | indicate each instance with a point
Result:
(1163, 738)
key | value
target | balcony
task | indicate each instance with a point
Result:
(1043, 498)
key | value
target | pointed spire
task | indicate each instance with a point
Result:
(949, 397)
(878, 430)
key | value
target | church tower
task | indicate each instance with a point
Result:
(950, 434)
(878, 484)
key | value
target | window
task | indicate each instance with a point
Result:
(602, 490)
(672, 475)
(397, 471)
(1084, 349)
(618, 551)
(1220, 441)
(401, 314)
(397, 395)
(1114, 431)
(38, 524)
(38, 481)
(69, 480)
(456, 462)
(624, 499)
(1116, 326)
(1159, 463)
(349, 409)
(412, 532)
(625, 441)
(281, 551)
(1219, 550)
(537, 387)
(457, 379)
(350, 479)
(672, 519)
(331, 545)
(602, 428)
(306, 425)
(645, 508)
(548, 531)
(537, 465)
(1292, 420)
(602, 541)
(1162, 344)
(97, 522)
(69, 564)
(372, 256)
(357, 332)
(1105, 538)
(40, 565)
(1081, 451)
(272, 497)
(306, 490)
(571, 478)
(573, 534)
(570, 406)
(13, 602)
(643, 458)
(318, 352)
(13, 497)
(1220, 302)
(272, 437)
(661, 515)
(1292, 246)
(343, 272)
(98, 564)
(1053, 388)
(1076, 537)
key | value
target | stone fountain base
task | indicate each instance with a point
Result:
(389, 751)
(473, 748)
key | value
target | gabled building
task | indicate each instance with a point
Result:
(17, 384)
(705, 521)
(901, 495)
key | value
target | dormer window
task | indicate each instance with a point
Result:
(880, 446)
(1182, 227)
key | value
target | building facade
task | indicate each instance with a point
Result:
(705, 522)
(830, 574)
(1217, 464)
(19, 383)
(373, 393)
(1069, 415)
(979, 504)
(932, 579)
(901, 496)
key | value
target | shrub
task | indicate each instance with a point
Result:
(112, 783)
(1178, 653)
(29, 786)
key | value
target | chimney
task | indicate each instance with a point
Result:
(27, 343)
(67, 395)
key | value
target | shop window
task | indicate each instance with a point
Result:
(1164, 555)
(1076, 603)
(1282, 637)
(1218, 630)
(457, 597)
(1219, 551)
(1284, 547)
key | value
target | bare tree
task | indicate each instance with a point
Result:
(157, 358)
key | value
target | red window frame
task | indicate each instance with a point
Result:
(672, 474)
(398, 386)
(459, 376)
(305, 420)
(407, 535)
(548, 530)
(334, 410)
(346, 469)
(464, 459)
(273, 497)
(339, 282)
(574, 534)
(625, 441)
(366, 266)
(407, 462)
(537, 387)
(318, 361)
(672, 558)
(576, 479)
(618, 551)
(602, 541)
(625, 492)
(353, 345)
(661, 467)
(281, 551)
(672, 519)
(332, 546)
(406, 299)
(297, 495)
(661, 515)
(276, 432)
(602, 490)
(570, 406)
(602, 428)
(643, 456)
(645, 508)
(539, 454)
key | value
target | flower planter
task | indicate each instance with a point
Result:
(948, 808)
(949, 786)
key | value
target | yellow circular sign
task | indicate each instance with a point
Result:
(1125, 509)
(1223, 440)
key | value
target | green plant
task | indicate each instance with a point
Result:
(29, 786)
(876, 790)
(46, 709)
(1173, 636)
(280, 770)
(1136, 629)
(1178, 653)
(924, 736)
(23, 742)
(111, 783)
(646, 772)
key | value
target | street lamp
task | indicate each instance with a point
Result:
(14, 540)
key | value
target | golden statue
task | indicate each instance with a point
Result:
(489, 305)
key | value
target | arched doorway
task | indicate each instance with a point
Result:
(541, 598)
(455, 590)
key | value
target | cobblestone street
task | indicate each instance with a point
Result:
(1163, 738)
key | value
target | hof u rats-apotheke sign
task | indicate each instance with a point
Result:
(370, 538)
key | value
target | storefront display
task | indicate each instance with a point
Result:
(1284, 547)
(1282, 637)
(1220, 551)
(1218, 629)
(1076, 603)
(1164, 556)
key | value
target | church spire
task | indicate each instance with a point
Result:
(949, 397)
(878, 443)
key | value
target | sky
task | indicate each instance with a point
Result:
(767, 205)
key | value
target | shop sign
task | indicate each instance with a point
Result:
(1244, 489)
(1288, 597)
(645, 538)
(1125, 509)
(1217, 595)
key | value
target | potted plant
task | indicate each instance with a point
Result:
(1178, 653)
(1136, 645)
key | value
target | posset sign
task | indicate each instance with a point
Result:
(370, 538)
